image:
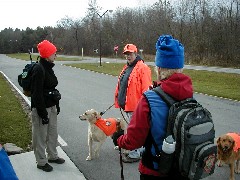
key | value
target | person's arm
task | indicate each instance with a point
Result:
(117, 88)
(138, 127)
(146, 78)
(37, 92)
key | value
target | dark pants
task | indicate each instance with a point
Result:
(174, 176)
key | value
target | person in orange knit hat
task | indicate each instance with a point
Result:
(134, 80)
(45, 108)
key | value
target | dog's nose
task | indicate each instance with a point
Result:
(225, 148)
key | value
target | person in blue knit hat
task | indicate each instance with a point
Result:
(149, 120)
(170, 53)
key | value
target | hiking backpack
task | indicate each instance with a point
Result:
(24, 79)
(192, 127)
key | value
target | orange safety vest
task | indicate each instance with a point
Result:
(236, 137)
(138, 82)
(109, 126)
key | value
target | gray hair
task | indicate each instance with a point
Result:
(163, 73)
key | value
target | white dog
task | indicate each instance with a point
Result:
(99, 129)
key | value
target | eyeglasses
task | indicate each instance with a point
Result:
(128, 54)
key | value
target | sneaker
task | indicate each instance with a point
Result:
(57, 161)
(127, 159)
(46, 167)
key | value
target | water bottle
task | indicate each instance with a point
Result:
(167, 155)
(169, 145)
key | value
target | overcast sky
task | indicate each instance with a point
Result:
(33, 13)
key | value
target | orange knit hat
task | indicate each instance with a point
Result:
(46, 49)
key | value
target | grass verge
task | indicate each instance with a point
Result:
(224, 85)
(15, 124)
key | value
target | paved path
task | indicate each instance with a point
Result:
(82, 90)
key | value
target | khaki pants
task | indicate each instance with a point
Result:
(136, 153)
(44, 137)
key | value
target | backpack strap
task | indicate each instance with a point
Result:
(169, 101)
(166, 98)
(158, 153)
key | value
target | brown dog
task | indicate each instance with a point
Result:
(99, 129)
(228, 151)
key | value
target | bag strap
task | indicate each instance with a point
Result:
(158, 153)
(166, 98)
(169, 101)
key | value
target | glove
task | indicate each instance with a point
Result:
(45, 121)
(116, 135)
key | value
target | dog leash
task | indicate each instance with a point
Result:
(120, 153)
(123, 116)
(121, 164)
(101, 113)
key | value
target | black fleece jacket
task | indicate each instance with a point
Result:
(43, 82)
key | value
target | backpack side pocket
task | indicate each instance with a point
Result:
(204, 160)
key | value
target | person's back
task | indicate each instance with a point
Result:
(150, 117)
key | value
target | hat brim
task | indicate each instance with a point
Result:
(128, 51)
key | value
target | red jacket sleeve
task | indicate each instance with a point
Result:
(138, 127)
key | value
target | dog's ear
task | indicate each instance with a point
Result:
(219, 143)
(95, 114)
(98, 115)
(233, 144)
(218, 140)
(219, 148)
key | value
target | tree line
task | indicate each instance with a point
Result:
(209, 31)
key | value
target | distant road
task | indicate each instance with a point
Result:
(114, 60)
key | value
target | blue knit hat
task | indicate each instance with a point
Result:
(170, 53)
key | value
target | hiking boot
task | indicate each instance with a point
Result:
(57, 161)
(46, 167)
(127, 159)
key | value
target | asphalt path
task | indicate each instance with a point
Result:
(82, 90)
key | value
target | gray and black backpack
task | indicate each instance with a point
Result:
(192, 127)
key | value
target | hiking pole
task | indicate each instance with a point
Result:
(121, 164)
(101, 113)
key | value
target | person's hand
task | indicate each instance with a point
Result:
(45, 121)
(116, 135)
